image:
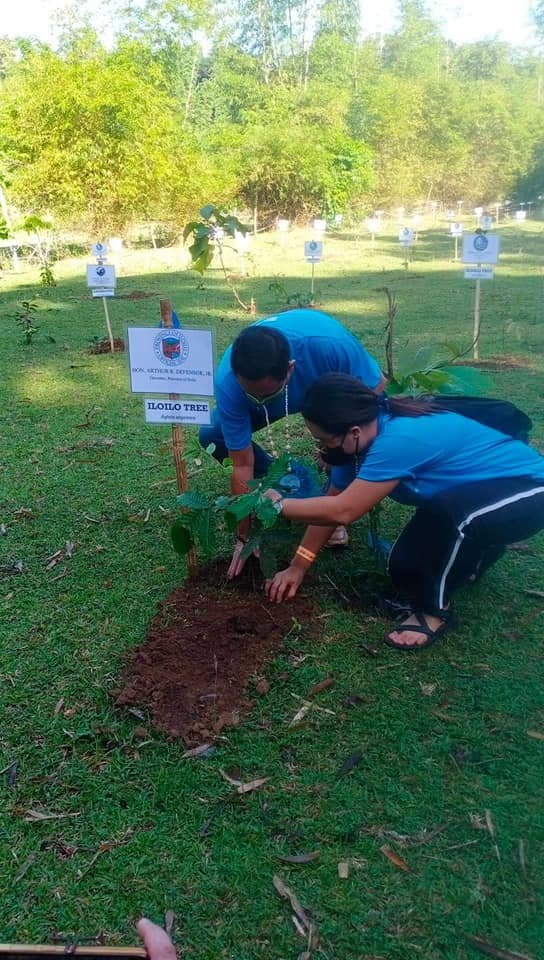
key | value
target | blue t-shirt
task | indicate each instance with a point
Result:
(318, 344)
(433, 453)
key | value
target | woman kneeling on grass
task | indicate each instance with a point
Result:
(475, 490)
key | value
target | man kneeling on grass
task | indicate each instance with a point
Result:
(263, 377)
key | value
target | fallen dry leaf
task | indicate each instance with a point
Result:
(343, 870)
(350, 763)
(299, 857)
(39, 815)
(232, 780)
(427, 689)
(169, 920)
(196, 751)
(287, 894)
(58, 706)
(3, 530)
(252, 785)
(53, 560)
(69, 549)
(322, 685)
(535, 593)
(262, 686)
(395, 858)
(535, 734)
(484, 947)
(300, 714)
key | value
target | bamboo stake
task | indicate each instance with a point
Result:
(177, 439)
(476, 332)
(66, 949)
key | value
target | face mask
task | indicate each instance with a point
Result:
(337, 456)
(261, 400)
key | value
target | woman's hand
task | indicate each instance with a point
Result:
(284, 585)
(272, 495)
(238, 562)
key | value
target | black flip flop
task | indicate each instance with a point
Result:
(431, 635)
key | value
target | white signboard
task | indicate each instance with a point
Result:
(373, 224)
(100, 275)
(103, 292)
(479, 248)
(100, 250)
(479, 273)
(177, 411)
(171, 360)
(486, 222)
(320, 226)
(313, 251)
(283, 225)
(521, 215)
(243, 241)
(406, 237)
(456, 229)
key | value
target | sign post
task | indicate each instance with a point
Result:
(373, 225)
(178, 442)
(406, 240)
(313, 251)
(101, 281)
(456, 231)
(479, 249)
(170, 360)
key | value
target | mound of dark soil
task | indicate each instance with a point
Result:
(104, 345)
(208, 639)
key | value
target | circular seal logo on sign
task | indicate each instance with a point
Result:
(481, 243)
(171, 347)
(100, 271)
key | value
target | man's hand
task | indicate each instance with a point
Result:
(238, 562)
(156, 941)
(284, 585)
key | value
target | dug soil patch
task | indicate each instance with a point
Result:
(498, 363)
(207, 641)
(104, 346)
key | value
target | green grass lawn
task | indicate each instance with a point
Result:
(451, 739)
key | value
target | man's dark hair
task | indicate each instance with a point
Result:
(260, 351)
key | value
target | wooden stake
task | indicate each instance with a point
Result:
(476, 331)
(44, 950)
(108, 324)
(177, 439)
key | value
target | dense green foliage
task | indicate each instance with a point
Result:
(286, 113)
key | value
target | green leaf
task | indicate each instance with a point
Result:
(207, 211)
(198, 247)
(221, 503)
(182, 537)
(266, 513)
(190, 228)
(252, 544)
(243, 506)
(467, 380)
(203, 261)
(192, 500)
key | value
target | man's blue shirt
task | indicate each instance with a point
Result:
(318, 344)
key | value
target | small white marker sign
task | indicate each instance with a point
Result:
(177, 411)
(486, 222)
(101, 276)
(521, 215)
(320, 226)
(100, 250)
(479, 248)
(103, 292)
(313, 251)
(479, 273)
(171, 360)
(456, 229)
(406, 237)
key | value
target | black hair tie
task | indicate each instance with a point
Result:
(383, 402)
